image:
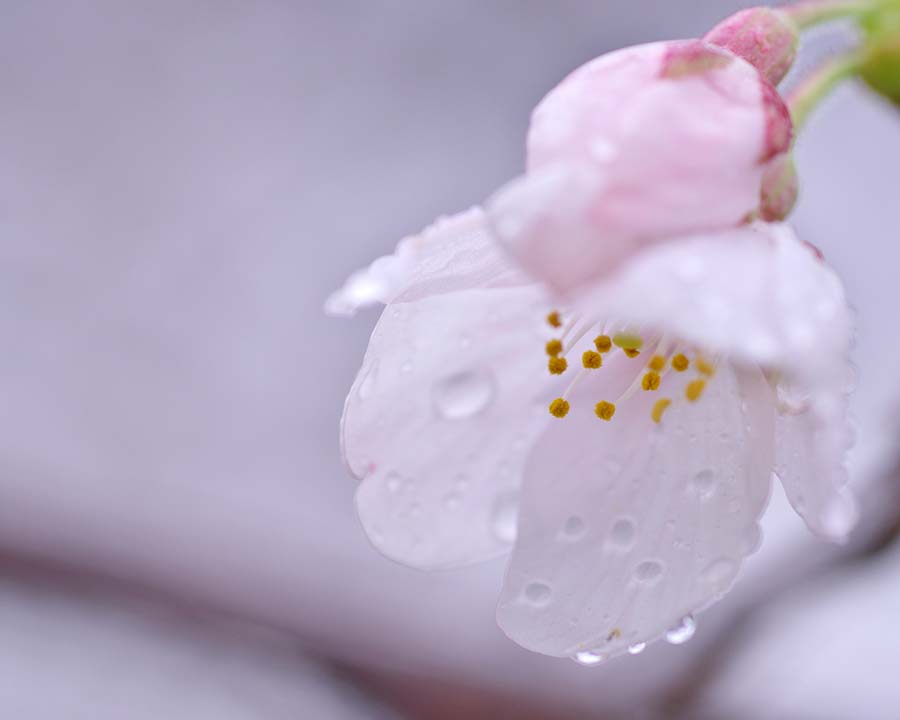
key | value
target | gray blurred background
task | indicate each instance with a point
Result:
(182, 185)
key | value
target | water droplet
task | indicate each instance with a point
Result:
(622, 533)
(451, 502)
(734, 506)
(704, 484)
(573, 528)
(682, 632)
(406, 368)
(649, 571)
(503, 518)
(461, 483)
(538, 594)
(463, 394)
(589, 657)
(637, 648)
(719, 573)
(465, 342)
(394, 482)
(396, 312)
(751, 539)
(368, 383)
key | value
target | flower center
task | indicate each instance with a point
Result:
(664, 357)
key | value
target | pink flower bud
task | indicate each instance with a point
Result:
(765, 38)
(637, 147)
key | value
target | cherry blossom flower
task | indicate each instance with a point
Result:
(705, 364)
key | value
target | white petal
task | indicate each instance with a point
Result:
(454, 253)
(452, 392)
(811, 440)
(626, 527)
(756, 294)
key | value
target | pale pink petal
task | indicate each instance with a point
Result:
(627, 527)
(812, 435)
(454, 253)
(649, 158)
(756, 294)
(452, 391)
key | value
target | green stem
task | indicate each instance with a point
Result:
(812, 12)
(811, 91)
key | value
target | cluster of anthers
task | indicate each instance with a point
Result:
(663, 358)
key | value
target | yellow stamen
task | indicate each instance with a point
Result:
(554, 320)
(603, 343)
(557, 365)
(554, 347)
(591, 360)
(680, 362)
(657, 363)
(628, 341)
(631, 352)
(704, 366)
(650, 381)
(694, 389)
(559, 408)
(605, 410)
(659, 407)
(614, 634)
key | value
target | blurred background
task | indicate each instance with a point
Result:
(182, 185)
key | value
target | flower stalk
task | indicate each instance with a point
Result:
(809, 93)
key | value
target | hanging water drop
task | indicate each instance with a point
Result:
(682, 632)
(504, 517)
(636, 648)
(648, 572)
(588, 657)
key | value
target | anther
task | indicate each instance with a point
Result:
(603, 343)
(605, 410)
(559, 408)
(657, 363)
(694, 389)
(557, 365)
(631, 352)
(704, 366)
(591, 360)
(554, 320)
(628, 341)
(680, 362)
(554, 347)
(659, 407)
(650, 381)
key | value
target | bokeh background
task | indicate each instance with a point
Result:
(181, 186)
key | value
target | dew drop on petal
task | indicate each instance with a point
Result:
(406, 368)
(452, 501)
(649, 571)
(538, 594)
(719, 573)
(637, 648)
(393, 482)
(588, 657)
(622, 532)
(463, 394)
(368, 383)
(703, 484)
(504, 517)
(573, 528)
(682, 632)
(751, 539)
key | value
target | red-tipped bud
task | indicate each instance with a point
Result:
(765, 38)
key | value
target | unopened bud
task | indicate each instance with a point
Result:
(765, 38)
